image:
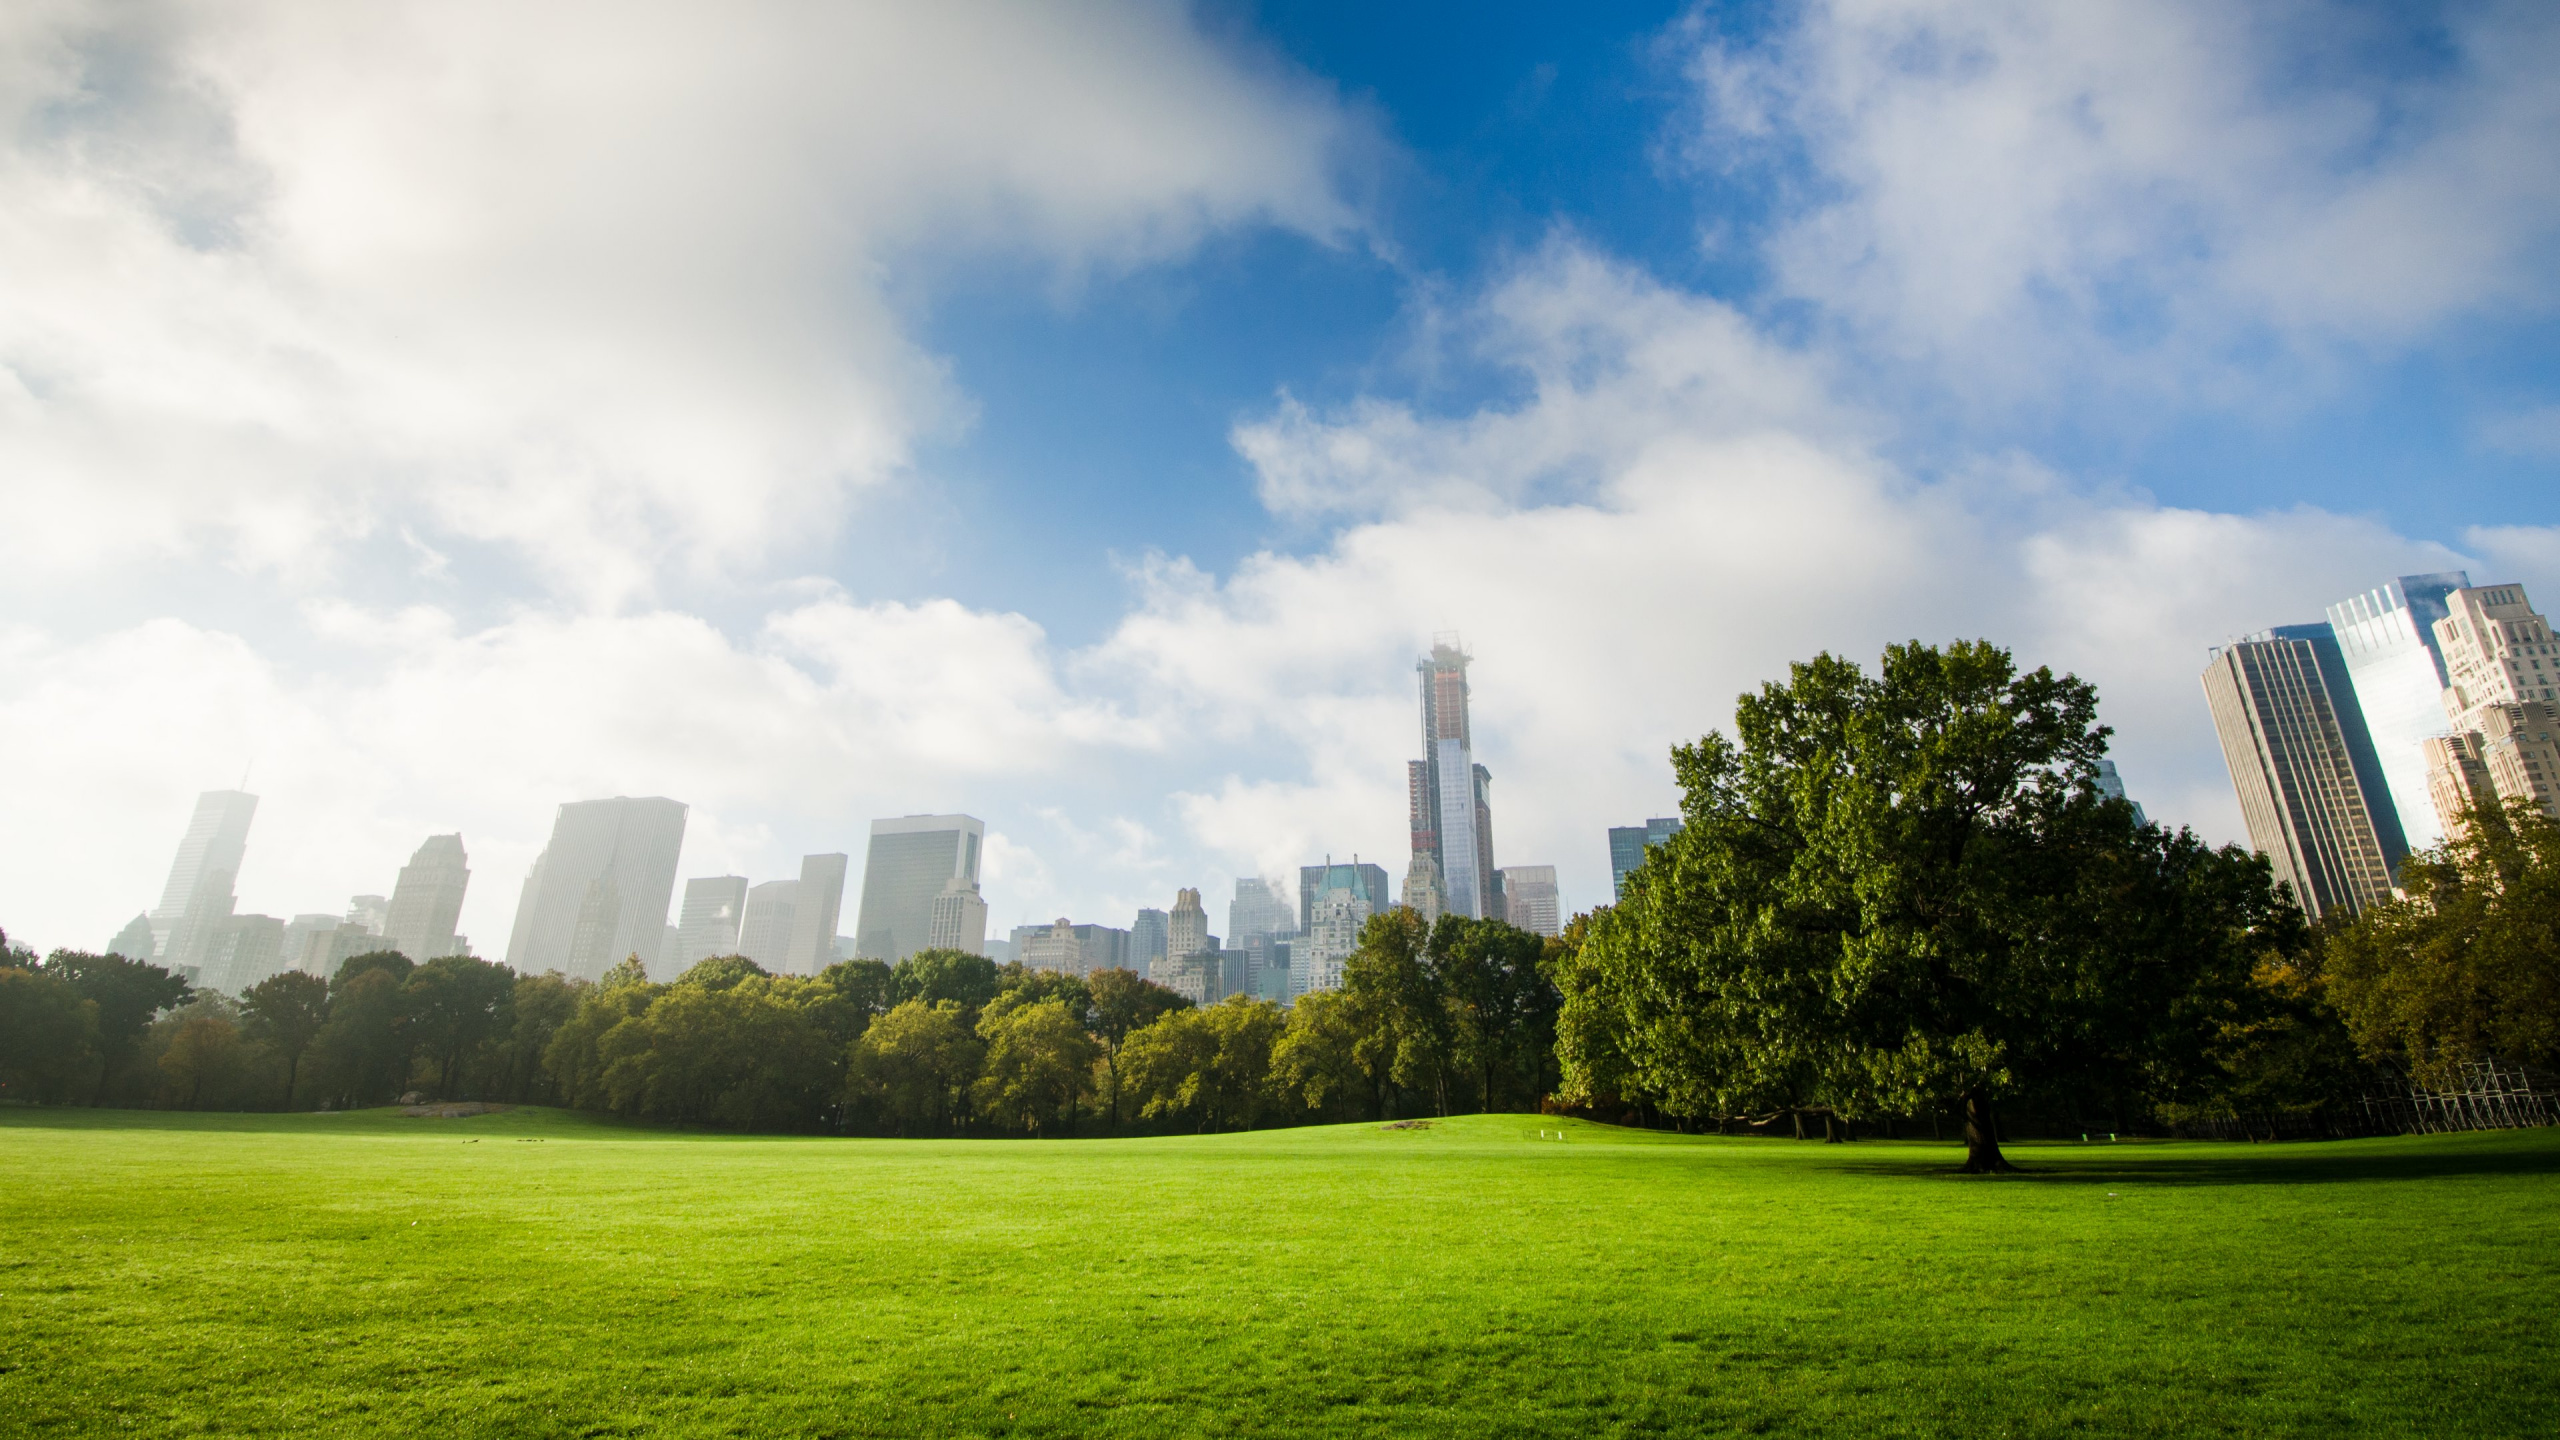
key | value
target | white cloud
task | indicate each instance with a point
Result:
(1705, 547)
(605, 285)
(2174, 194)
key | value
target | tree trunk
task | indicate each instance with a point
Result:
(1981, 1136)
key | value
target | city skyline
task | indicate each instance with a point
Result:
(1109, 498)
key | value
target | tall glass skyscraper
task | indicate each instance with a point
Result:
(912, 859)
(426, 904)
(2387, 637)
(819, 906)
(714, 907)
(1627, 844)
(2304, 767)
(208, 862)
(599, 890)
(1448, 795)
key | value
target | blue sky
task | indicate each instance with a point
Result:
(1081, 417)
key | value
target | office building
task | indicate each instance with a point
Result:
(2111, 785)
(208, 861)
(599, 891)
(1369, 882)
(2517, 749)
(2388, 638)
(1186, 926)
(715, 909)
(816, 908)
(1266, 967)
(373, 912)
(1448, 795)
(959, 919)
(1530, 900)
(2285, 712)
(426, 901)
(911, 861)
(1147, 940)
(772, 915)
(1334, 923)
(133, 942)
(1627, 844)
(2503, 670)
(1259, 908)
(1422, 888)
(1071, 949)
(240, 952)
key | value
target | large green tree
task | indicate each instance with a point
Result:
(128, 994)
(1501, 1006)
(1123, 1003)
(933, 976)
(455, 1005)
(2468, 966)
(1902, 888)
(1039, 1065)
(48, 1033)
(284, 1014)
(913, 1069)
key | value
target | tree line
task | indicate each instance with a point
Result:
(1898, 897)
(1431, 1020)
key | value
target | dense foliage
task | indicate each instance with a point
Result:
(944, 1043)
(2467, 968)
(1899, 889)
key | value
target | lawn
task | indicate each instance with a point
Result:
(533, 1273)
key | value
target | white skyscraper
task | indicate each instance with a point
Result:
(911, 860)
(773, 913)
(1259, 908)
(2503, 675)
(2388, 638)
(426, 904)
(1530, 900)
(714, 907)
(600, 889)
(207, 867)
(815, 911)
(959, 919)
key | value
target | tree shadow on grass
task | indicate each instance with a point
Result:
(2414, 1157)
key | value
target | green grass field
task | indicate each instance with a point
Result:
(375, 1274)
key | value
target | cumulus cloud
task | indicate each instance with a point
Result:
(1707, 542)
(2168, 194)
(604, 286)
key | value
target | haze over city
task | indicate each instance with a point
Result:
(1084, 422)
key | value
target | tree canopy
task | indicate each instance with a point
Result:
(1897, 888)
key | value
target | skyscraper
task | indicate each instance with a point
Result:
(959, 918)
(426, 902)
(1530, 899)
(208, 862)
(2111, 785)
(1422, 888)
(1147, 939)
(910, 861)
(2502, 667)
(599, 890)
(1186, 928)
(1448, 795)
(773, 913)
(1369, 882)
(238, 952)
(133, 942)
(815, 911)
(1627, 844)
(714, 907)
(2286, 716)
(1259, 908)
(2387, 636)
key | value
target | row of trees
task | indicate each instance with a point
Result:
(1895, 892)
(1430, 1020)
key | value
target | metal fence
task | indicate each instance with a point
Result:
(2495, 1095)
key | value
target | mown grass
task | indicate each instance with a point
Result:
(374, 1274)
